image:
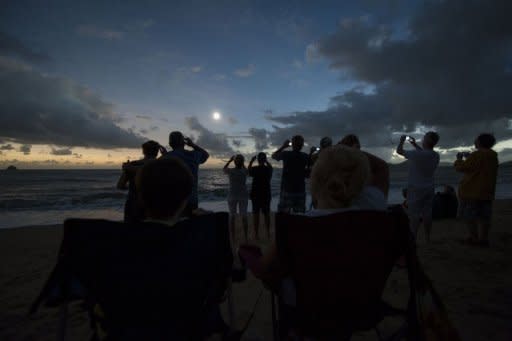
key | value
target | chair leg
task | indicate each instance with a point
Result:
(275, 322)
(63, 319)
(231, 307)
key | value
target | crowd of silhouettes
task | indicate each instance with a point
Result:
(472, 204)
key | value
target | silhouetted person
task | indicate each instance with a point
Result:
(445, 204)
(477, 188)
(423, 162)
(133, 211)
(379, 168)
(295, 171)
(237, 195)
(325, 142)
(192, 158)
(261, 191)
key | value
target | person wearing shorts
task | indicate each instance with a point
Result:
(296, 167)
(423, 162)
(260, 191)
(237, 195)
(477, 188)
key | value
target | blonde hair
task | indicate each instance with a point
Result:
(339, 175)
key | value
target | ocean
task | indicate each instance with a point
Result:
(42, 197)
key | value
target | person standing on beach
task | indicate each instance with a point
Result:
(192, 158)
(133, 211)
(237, 195)
(295, 171)
(261, 193)
(423, 162)
(477, 188)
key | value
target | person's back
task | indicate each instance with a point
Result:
(237, 184)
(480, 172)
(294, 171)
(422, 166)
(192, 158)
(261, 177)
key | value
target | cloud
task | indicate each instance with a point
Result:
(196, 69)
(144, 117)
(215, 143)
(154, 128)
(41, 109)
(260, 137)
(6, 147)
(450, 71)
(61, 152)
(312, 54)
(232, 120)
(11, 46)
(77, 156)
(219, 77)
(98, 32)
(245, 72)
(143, 131)
(297, 64)
(25, 149)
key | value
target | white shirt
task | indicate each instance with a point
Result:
(422, 165)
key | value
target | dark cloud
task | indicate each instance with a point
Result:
(37, 108)
(215, 143)
(450, 69)
(25, 149)
(10, 46)
(143, 131)
(7, 147)
(62, 151)
(260, 137)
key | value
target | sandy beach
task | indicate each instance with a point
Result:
(475, 283)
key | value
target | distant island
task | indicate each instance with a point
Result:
(11, 167)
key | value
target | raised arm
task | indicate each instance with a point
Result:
(122, 183)
(251, 162)
(467, 165)
(412, 140)
(204, 154)
(226, 166)
(277, 154)
(400, 147)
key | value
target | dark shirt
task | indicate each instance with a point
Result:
(295, 170)
(261, 176)
(192, 158)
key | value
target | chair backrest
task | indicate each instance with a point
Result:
(148, 274)
(340, 263)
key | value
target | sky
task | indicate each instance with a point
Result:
(84, 84)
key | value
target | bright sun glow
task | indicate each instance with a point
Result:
(216, 116)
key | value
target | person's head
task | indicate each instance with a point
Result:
(430, 140)
(448, 189)
(325, 142)
(163, 187)
(150, 149)
(262, 158)
(351, 140)
(239, 161)
(176, 140)
(297, 142)
(485, 141)
(338, 176)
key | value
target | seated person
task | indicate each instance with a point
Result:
(164, 199)
(445, 204)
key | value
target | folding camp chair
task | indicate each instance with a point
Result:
(150, 281)
(339, 265)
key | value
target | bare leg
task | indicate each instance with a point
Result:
(256, 221)
(472, 229)
(484, 231)
(266, 216)
(427, 224)
(232, 227)
(246, 226)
